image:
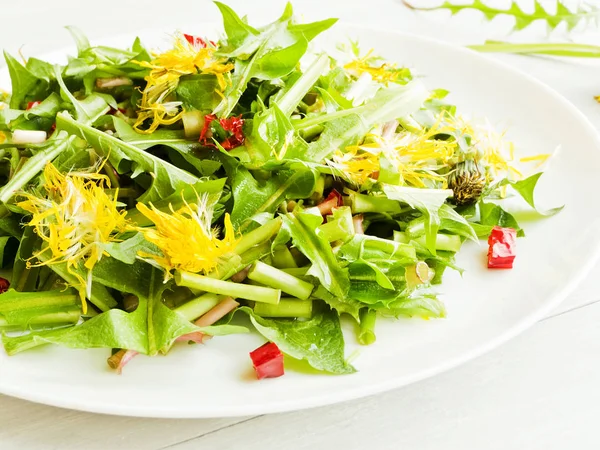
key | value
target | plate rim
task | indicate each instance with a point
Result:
(355, 392)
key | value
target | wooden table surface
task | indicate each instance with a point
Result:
(539, 391)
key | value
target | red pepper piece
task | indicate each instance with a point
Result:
(502, 246)
(267, 361)
(4, 285)
(198, 42)
(333, 200)
(232, 125)
(32, 105)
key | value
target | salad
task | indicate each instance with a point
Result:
(251, 182)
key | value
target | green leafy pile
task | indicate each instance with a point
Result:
(302, 185)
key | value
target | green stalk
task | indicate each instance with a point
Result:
(444, 242)
(258, 235)
(552, 49)
(287, 308)
(65, 316)
(198, 306)
(34, 166)
(14, 301)
(235, 290)
(319, 120)
(366, 335)
(283, 258)
(278, 279)
(362, 203)
(309, 133)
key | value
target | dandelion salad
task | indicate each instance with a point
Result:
(233, 183)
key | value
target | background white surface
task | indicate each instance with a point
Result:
(536, 392)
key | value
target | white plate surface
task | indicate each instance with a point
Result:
(485, 307)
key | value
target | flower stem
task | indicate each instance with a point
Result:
(287, 308)
(198, 306)
(366, 335)
(258, 236)
(236, 290)
(278, 279)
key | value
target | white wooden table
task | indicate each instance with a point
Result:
(539, 391)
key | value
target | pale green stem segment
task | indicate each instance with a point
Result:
(366, 335)
(278, 279)
(444, 242)
(235, 290)
(198, 306)
(287, 308)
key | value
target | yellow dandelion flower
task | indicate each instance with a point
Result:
(384, 73)
(184, 58)
(186, 238)
(74, 219)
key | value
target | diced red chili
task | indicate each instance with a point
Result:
(198, 42)
(502, 248)
(333, 200)
(32, 104)
(267, 361)
(233, 125)
(4, 285)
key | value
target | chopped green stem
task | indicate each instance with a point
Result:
(287, 308)
(17, 301)
(444, 242)
(198, 306)
(66, 315)
(310, 132)
(278, 279)
(259, 235)
(288, 102)
(236, 290)
(310, 122)
(552, 49)
(362, 203)
(366, 335)
(410, 124)
(283, 258)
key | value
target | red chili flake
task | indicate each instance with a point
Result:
(333, 200)
(197, 41)
(4, 285)
(502, 243)
(267, 361)
(32, 105)
(232, 124)
(112, 111)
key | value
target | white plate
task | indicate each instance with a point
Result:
(485, 307)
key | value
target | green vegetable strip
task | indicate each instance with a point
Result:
(283, 258)
(446, 242)
(291, 98)
(287, 308)
(66, 315)
(366, 335)
(198, 306)
(259, 235)
(34, 166)
(12, 301)
(235, 290)
(362, 203)
(277, 279)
